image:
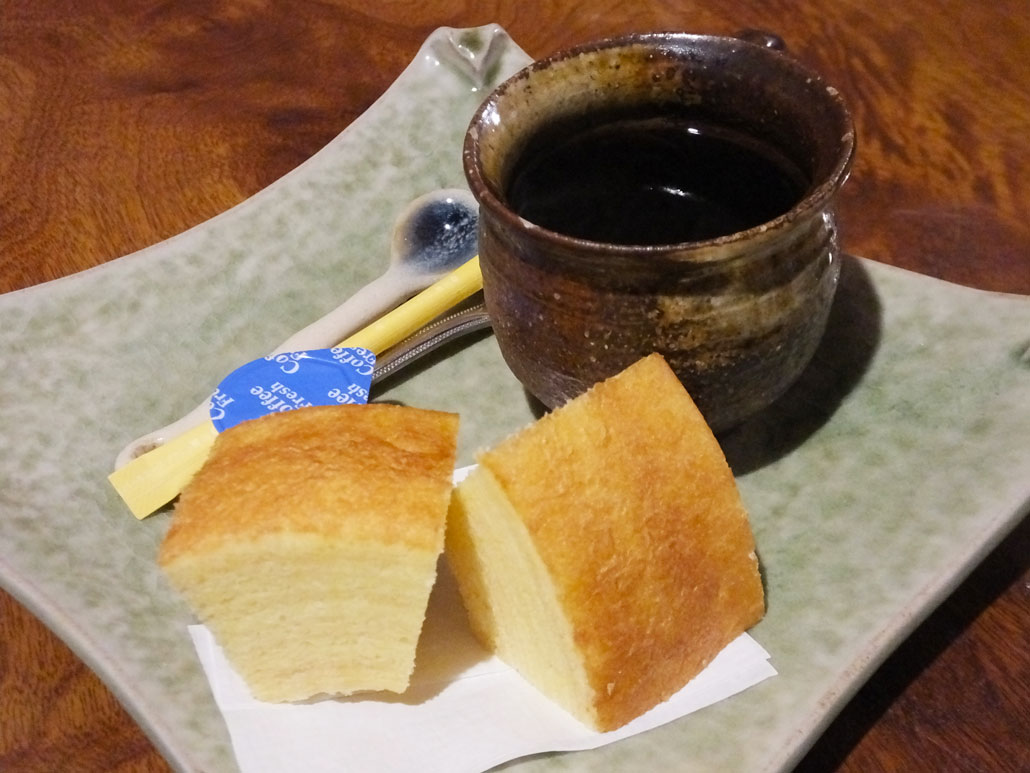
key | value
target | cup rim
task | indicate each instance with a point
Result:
(810, 205)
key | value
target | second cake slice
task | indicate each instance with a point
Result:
(604, 551)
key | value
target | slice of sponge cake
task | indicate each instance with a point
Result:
(309, 541)
(604, 551)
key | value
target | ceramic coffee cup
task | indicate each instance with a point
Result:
(660, 192)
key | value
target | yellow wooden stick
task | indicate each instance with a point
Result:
(155, 478)
(443, 294)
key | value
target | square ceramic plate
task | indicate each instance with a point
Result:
(875, 485)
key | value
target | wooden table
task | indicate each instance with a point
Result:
(123, 123)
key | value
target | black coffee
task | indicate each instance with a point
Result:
(651, 180)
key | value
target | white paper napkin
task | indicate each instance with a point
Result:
(465, 710)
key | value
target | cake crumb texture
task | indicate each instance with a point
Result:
(604, 551)
(308, 543)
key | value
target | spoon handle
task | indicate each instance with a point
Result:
(413, 314)
(156, 477)
(376, 297)
(429, 338)
(369, 302)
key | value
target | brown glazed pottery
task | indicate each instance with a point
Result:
(737, 317)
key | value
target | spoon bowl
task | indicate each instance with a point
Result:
(431, 237)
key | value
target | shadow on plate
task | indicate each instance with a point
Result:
(852, 336)
(851, 339)
(446, 648)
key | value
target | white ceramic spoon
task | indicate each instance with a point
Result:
(434, 234)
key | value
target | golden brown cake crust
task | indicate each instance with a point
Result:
(635, 582)
(297, 471)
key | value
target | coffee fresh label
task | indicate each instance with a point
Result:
(285, 382)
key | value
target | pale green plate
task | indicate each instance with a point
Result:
(874, 486)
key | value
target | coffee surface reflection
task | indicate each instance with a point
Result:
(651, 179)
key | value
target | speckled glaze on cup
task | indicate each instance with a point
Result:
(738, 317)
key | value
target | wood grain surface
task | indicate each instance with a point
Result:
(124, 123)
